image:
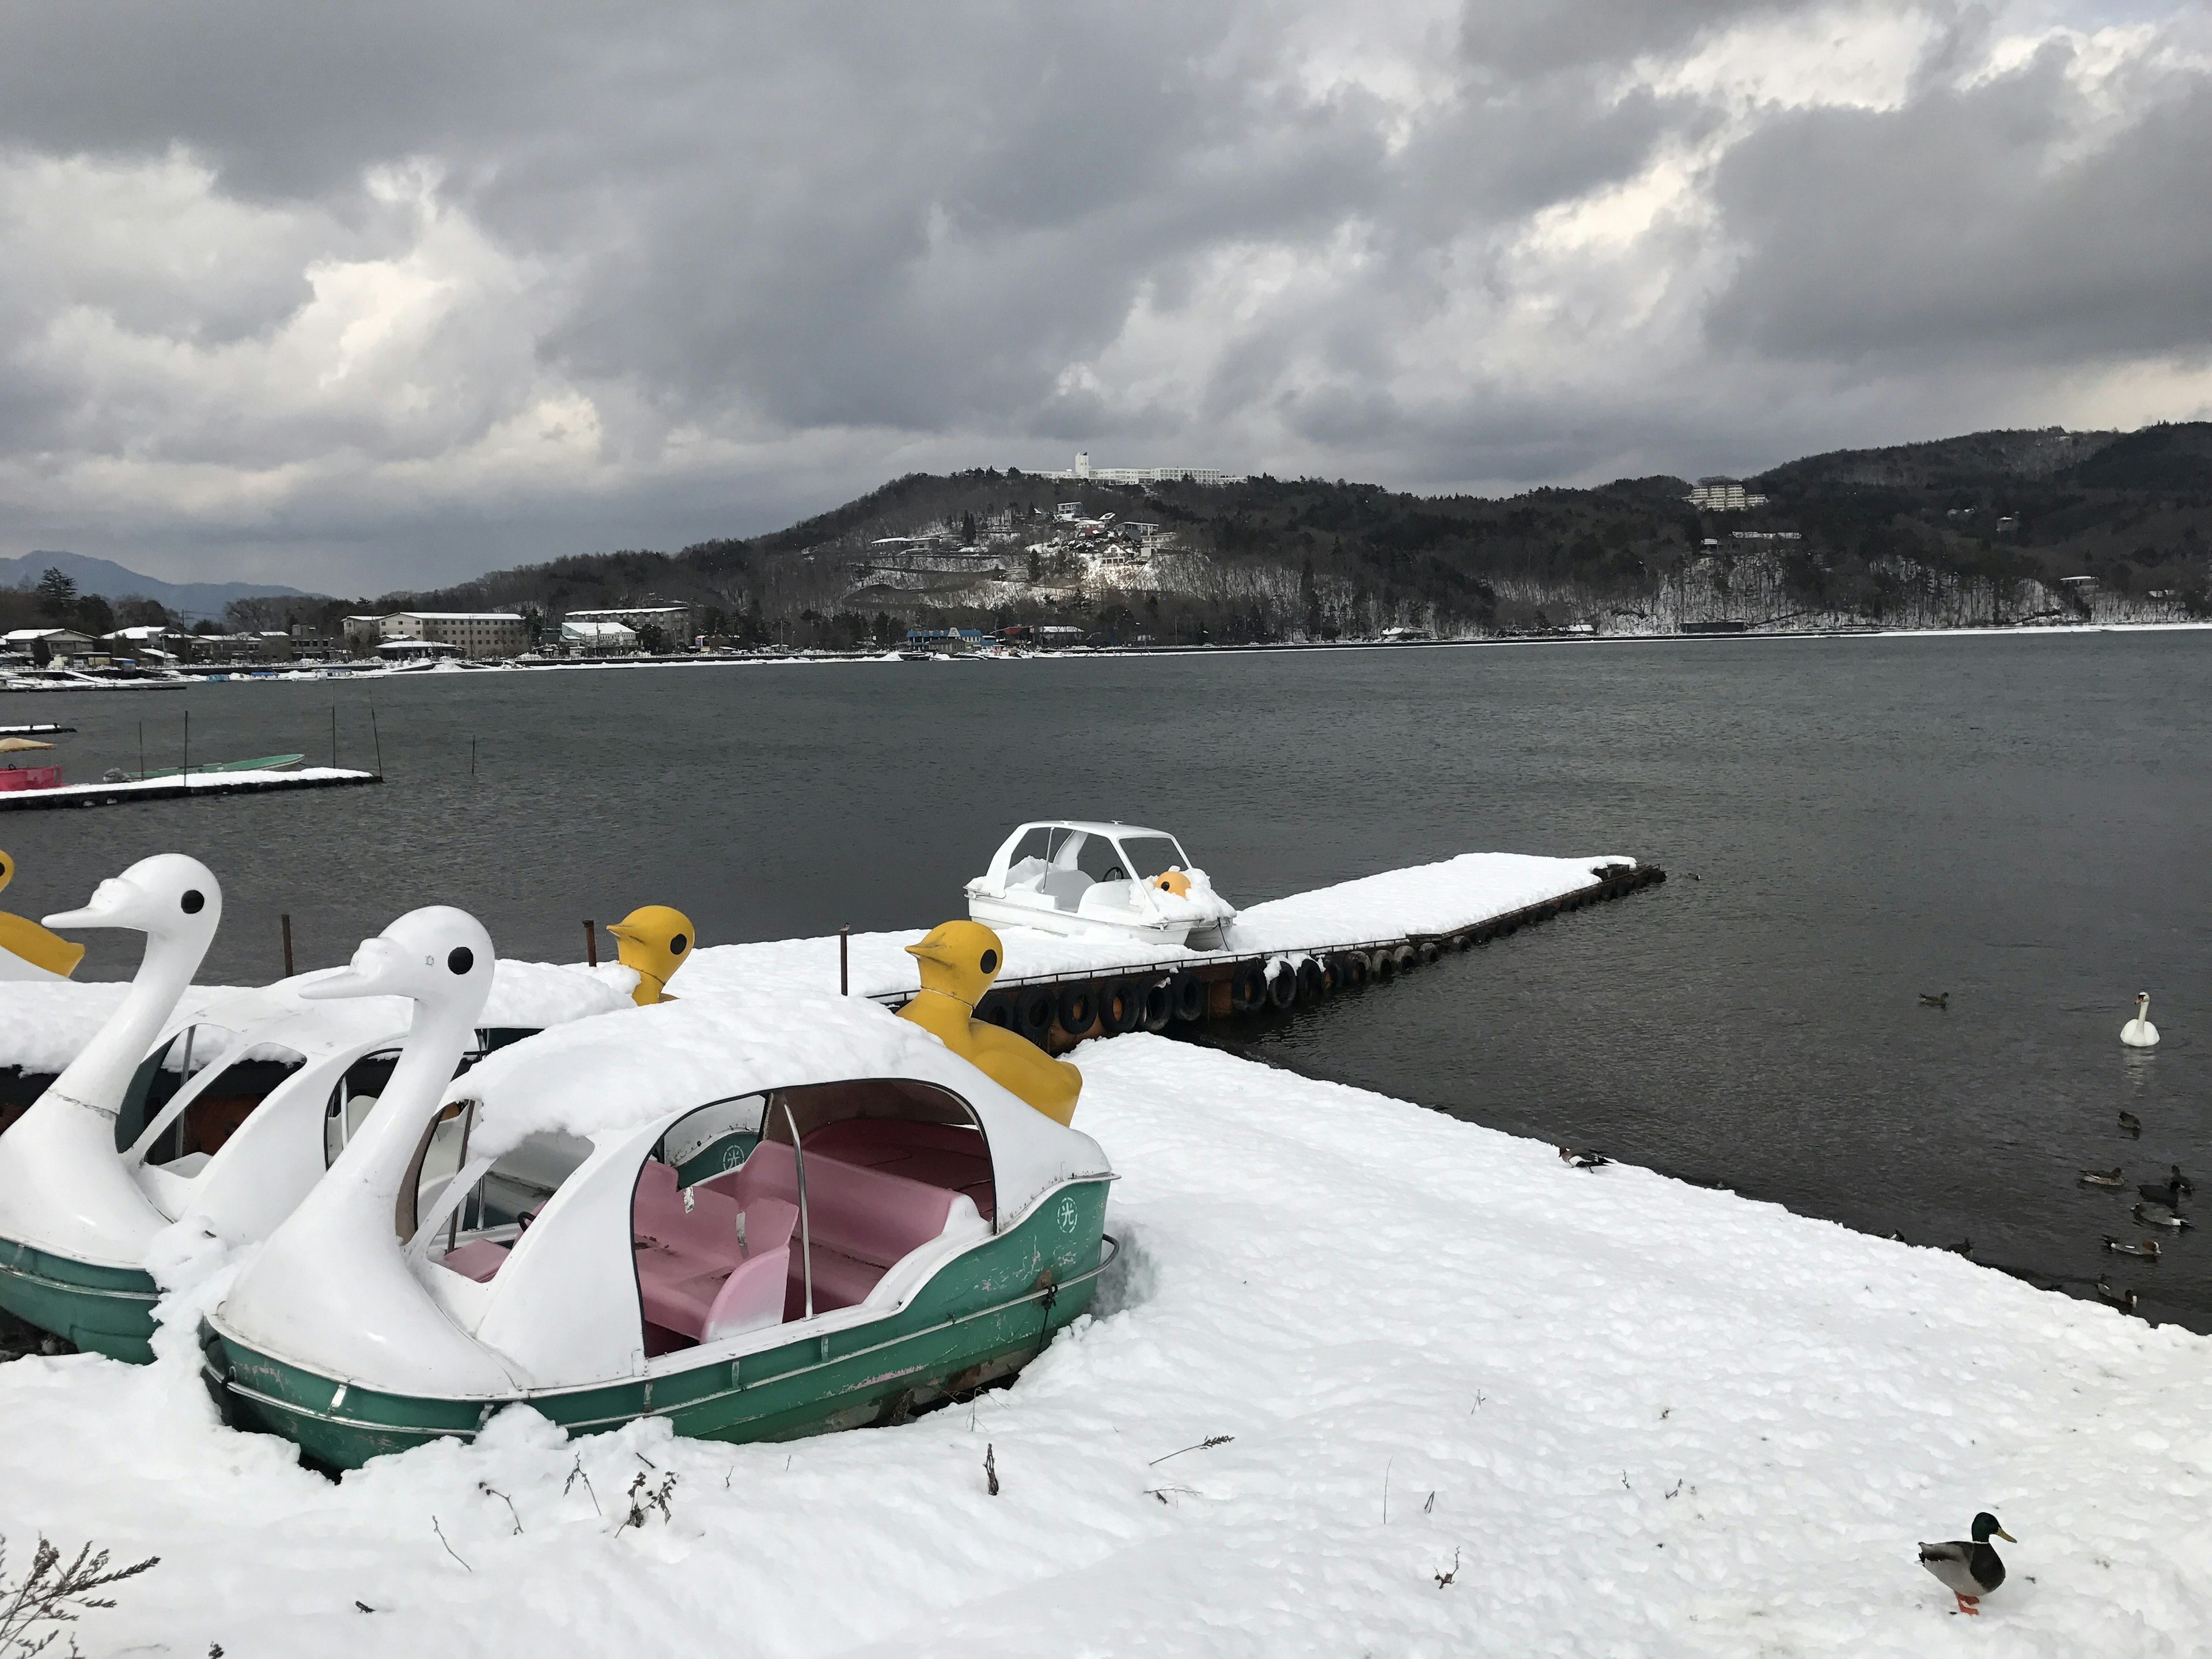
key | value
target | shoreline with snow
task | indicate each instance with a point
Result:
(1621, 1413)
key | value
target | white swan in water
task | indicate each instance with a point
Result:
(2139, 1032)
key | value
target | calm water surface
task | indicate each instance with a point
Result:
(2016, 821)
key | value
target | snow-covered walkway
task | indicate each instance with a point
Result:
(1642, 1418)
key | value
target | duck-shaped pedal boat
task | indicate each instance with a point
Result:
(959, 960)
(758, 1217)
(74, 1224)
(29, 951)
(653, 941)
(1075, 878)
(227, 1119)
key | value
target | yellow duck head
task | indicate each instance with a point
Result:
(656, 941)
(24, 938)
(959, 959)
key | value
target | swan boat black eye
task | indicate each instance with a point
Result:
(193, 901)
(461, 959)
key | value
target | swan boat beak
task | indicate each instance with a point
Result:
(114, 903)
(375, 970)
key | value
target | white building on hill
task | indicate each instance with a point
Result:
(1723, 496)
(1082, 472)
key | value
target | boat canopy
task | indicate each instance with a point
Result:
(646, 1067)
(1072, 844)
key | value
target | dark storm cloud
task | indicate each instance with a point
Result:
(347, 275)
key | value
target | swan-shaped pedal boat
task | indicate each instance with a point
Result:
(224, 1121)
(759, 1217)
(1079, 879)
(74, 1224)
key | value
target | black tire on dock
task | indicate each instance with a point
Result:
(1351, 970)
(1189, 994)
(997, 1008)
(1283, 989)
(1035, 1006)
(1403, 956)
(1160, 1004)
(1332, 975)
(1385, 963)
(1313, 981)
(1428, 950)
(1078, 1008)
(1247, 987)
(1121, 1007)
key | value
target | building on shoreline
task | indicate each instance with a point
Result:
(470, 633)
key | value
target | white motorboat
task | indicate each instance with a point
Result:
(1074, 878)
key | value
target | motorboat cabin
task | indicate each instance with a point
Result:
(1075, 878)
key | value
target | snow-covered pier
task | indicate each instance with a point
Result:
(1281, 954)
(194, 784)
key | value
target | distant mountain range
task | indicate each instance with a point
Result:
(110, 581)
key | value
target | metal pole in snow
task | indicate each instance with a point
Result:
(141, 749)
(844, 962)
(591, 944)
(187, 773)
(334, 737)
(287, 920)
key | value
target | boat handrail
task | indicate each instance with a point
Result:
(806, 1235)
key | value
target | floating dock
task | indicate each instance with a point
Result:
(33, 731)
(1058, 1010)
(176, 788)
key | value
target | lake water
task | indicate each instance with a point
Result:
(1847, 823)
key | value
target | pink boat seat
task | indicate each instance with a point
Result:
(694, 1276)
(860, 1220)
(479, 1259)
(946, 1155)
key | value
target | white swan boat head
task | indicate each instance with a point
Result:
(1075, 877)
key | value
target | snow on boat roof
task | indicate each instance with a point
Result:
(605, 1077)
(1089, 827)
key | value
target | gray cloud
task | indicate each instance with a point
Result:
(382, 295)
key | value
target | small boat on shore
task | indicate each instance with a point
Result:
(224, 1121)
(760, 1218)
(1077, 878)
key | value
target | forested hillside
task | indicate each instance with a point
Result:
(1994, 528)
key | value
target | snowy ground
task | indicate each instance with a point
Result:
(213, 783)
(1643, 1418)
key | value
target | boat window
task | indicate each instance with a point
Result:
(471, 1233)
(163, 1073)
(1036, 843)
(1149, 855)
(444, 1149)
(889, 1166)
(1099, 859)
(350, 1101)
(218, 1104)
(713, 1138)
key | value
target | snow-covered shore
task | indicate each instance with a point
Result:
(1642, 1418)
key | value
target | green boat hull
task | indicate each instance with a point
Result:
(107, 1310)
(980, 1318)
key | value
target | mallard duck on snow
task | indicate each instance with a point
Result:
(1581, 1160)
(759, 1217)
(1969, 1569)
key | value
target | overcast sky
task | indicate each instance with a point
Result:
(360, 296)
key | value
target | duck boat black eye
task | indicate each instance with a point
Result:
(193, 901)
(990, 961)
(675, 945)
(462, 959)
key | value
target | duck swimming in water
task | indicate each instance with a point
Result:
(2167, 1192)
(2152, 1214)
(1935, 999)
(2146, 1247)
(28, 950)
(959, 960)
(1969, 1570)
(2111, 1178)
(2124, 1300)
(2130, 1124)
(656, 940)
